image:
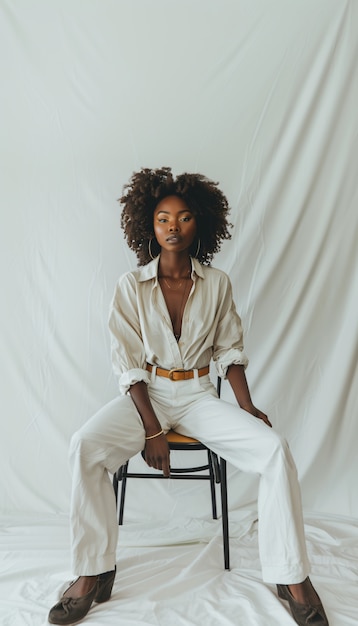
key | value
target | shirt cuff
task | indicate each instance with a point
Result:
(131, 377)
(232, 357)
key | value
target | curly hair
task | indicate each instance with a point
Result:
(148, 187)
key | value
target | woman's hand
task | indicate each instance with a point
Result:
(237, 379)
(257, 413)
(156, 454)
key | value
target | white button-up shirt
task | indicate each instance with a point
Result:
(142, 332)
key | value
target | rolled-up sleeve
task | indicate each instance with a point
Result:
(127, 349)
(228, 346)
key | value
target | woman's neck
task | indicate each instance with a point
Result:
(174, 265)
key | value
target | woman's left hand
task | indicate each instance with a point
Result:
(238, 382)
(257, 413)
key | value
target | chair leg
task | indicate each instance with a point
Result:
(216, 467)
(123, 493)
(224, 511)
(115, 484)
(212, 484)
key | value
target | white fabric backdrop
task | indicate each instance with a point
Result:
(258, 95)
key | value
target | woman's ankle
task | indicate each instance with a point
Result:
(81, 586)
(304, 592)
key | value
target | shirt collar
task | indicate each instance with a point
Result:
(150, 271)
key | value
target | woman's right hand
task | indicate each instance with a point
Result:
(157, 454)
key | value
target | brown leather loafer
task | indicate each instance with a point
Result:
(71, 610)
(303, 614)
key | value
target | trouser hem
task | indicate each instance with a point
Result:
(92, 566)
(286, 575)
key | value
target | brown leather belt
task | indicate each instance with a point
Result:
(177, 373)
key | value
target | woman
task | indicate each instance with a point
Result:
(168, 319)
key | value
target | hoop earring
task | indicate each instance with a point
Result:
(197, 249)
(150, 249)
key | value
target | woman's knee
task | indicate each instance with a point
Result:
(85, 443)
(94, 444)
(77, 443)
(279, 449)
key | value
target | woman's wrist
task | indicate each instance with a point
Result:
(160, 432)
(247, 406)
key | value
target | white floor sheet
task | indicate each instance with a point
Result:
(172, 574)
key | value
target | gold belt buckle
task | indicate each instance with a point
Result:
(172, 372)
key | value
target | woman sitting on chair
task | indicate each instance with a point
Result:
(168, 319)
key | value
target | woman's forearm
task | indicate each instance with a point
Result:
(237, 379)
(140, 397)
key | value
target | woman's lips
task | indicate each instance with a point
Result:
(174, 239)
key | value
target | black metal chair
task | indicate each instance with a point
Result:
(215, 473)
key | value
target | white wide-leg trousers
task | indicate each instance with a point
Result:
(192, 408)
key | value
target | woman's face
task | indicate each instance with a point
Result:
(174, 224)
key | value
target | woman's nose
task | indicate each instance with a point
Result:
(173, 227)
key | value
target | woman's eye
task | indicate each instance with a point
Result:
(185, 219)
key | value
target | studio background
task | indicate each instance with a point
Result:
(260, 96)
